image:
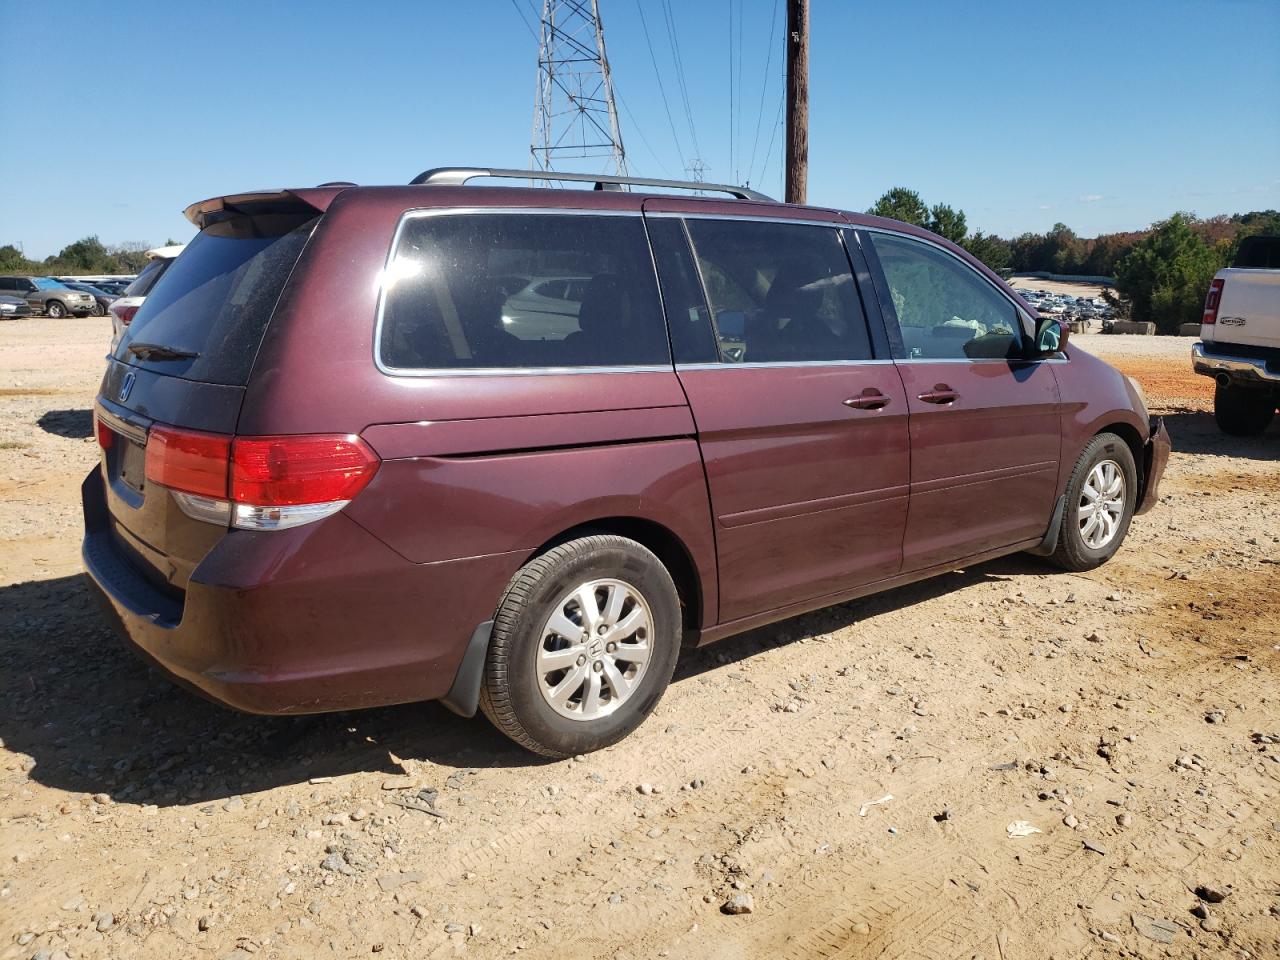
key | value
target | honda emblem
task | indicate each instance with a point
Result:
(126, 386)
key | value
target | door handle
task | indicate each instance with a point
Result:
(941, 394)
(869, 399)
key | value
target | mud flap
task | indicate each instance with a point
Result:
(463, 697)
(1050, 542)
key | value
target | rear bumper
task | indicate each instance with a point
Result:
(319, 618)
(1244, 370)
(1155, 459)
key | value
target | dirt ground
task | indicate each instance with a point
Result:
(856, 771)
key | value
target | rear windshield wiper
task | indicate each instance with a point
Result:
(155, 351)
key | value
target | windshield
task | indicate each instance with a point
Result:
(47, 283)
(214, 301)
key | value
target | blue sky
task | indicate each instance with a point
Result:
(1104, 115)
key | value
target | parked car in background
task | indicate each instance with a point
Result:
(46, 295)
(1240, 338)
(102, 299)
(11, 308)
(123, 309)
(331, 477)
(545, 308)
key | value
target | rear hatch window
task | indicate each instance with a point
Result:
(144, 281)
(1258, 253)
(206, 315)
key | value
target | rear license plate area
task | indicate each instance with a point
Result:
(132, 463)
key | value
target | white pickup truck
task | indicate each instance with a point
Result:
(1240, 338)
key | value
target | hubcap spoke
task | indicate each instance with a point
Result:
(618, 684)
(586, 598)
(591, 698)
(566, 688)
(632, 652)
(562, 626)
(629, 624)
(549, 660)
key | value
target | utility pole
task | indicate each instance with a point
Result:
(797, 160)
(574, 113)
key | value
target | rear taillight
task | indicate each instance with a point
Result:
(285, 471)
(124, 313)
(259, 483)
(106, 436)
(1211, 301)
(188, 461)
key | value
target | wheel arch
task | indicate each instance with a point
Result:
(1136, 444)
(665, 544)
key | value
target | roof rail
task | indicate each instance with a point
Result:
(457, 176)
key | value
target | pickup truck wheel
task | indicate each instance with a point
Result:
(55, 309)
(583, 646)
(1242, 412)
(1101, 494)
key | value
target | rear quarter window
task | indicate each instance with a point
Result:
(216, 298)
(521, 291)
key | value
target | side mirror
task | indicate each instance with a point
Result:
(1051, 337)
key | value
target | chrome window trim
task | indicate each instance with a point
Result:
(419, 372)
(755, 218)
(1024, 317)
(767, 364)
(419, 213)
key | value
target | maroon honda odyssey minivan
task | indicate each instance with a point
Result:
(511, 448)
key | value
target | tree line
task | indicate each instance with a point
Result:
(87, 256)
(1161, 273)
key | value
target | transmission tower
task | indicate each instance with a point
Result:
(574, 114)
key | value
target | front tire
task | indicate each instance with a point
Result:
(583, 646)
(55, 309)
(1242, 412)
(1101, 494)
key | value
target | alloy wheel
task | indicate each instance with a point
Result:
(1101, 506)
(594, 649)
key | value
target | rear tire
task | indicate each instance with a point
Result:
(55, 309)
(559, 679)
(1101, 494)
(1242, 412)
(98, 310)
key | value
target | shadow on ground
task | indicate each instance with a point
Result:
(73, 424)
(1197, 434)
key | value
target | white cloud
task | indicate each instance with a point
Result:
(1091, 197)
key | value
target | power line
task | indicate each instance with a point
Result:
(731, 115)
(777, 122)
(764, 84)
(523, 19)
(635, 125)
(673, 38)
(658, 73)
(737, 177)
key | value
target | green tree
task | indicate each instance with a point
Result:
(899, 203)
(84, 256)
(1165, 276)
(947, 222)
(13, 261)
(995, 252)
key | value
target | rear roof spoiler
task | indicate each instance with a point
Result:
(205, 212)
